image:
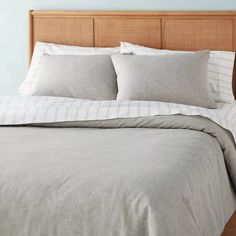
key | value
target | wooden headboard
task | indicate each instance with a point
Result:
(166, 30)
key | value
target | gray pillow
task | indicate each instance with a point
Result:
(175, 78)
(84, 77)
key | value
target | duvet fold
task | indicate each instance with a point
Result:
(197, 123)
(147, 175)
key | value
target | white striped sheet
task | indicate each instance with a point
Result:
(98, 110)
(76, 102)
(102, 110)
(114, 110)
(91, 112)
(118, 108)
(27, 110)
(225, 84)
(225, 58)
(135, 108)
(50, 113)
(220, 70)
(26, 86)
(214, 77)
(223, 75)
(215, 65)
(64, 49)
(219, 73)
(231, 114)
(225, 96)
(221, 64)
(224, 89)
(10, 116)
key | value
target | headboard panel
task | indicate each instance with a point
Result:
(78, 31)
(196, 34)
(110, 32)
(166, 30)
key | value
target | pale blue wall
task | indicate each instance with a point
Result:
(13, 26)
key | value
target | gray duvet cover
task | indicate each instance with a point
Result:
(154, 176)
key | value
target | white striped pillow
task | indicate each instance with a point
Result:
(220, 69)
(57, 49)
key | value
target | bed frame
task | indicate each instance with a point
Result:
(166, 30)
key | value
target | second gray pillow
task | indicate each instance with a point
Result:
(176, 78)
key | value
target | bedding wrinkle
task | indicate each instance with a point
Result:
(105, 192)
(119, 168)
(12, 109)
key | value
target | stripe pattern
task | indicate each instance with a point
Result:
(30, 110)
(220, 68)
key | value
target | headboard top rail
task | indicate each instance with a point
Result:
(133, 13)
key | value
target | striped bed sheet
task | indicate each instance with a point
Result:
(220, 69)
(36, 109)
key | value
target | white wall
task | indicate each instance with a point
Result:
(13, 26)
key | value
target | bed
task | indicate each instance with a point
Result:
(135, 168)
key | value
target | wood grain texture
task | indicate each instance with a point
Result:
(197, 34)
(230, 228)
(184, 30)
(68, 31)
(110, 32)
(31, 43)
